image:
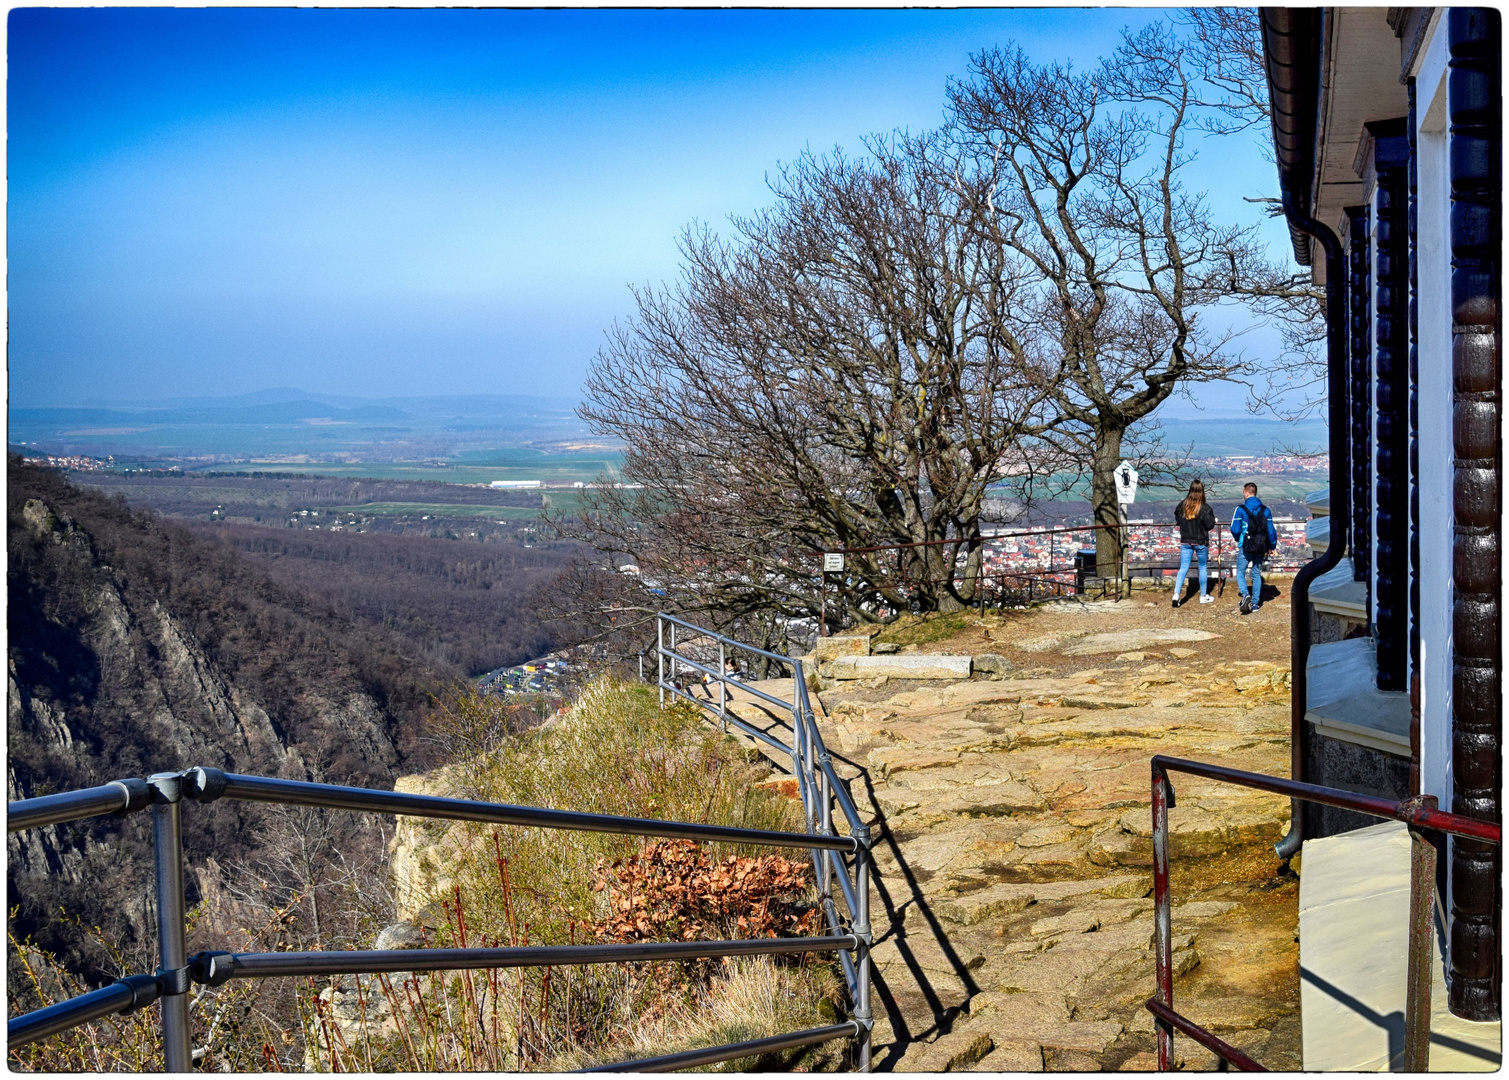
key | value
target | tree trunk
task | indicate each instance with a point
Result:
(1103, 461)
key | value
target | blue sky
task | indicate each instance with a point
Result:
(392, 202)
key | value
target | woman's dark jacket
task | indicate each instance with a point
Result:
(1195, 531)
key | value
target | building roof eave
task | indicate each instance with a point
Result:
(1291, 53)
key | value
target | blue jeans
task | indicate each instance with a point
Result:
(1243, 565)
(1186, 552)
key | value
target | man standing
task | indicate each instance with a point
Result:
(1256, 536)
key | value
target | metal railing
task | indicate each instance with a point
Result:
(818, 784)
(1046, 577)
(1419, 813)
(165, 793)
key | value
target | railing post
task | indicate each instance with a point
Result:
(641, 665)
(172, 964)
(675, 663)
(862, 1010)
(825, 800)
(1422, 903)
(660, 657)
(1162, 936)
(722, 688)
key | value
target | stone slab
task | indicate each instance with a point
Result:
(1122, 640)
(902, 666)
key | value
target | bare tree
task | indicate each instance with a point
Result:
(1226, 48)
(1082, 176)
(845, 372)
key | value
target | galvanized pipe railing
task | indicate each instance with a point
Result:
(165, 794)
(818, 785)
(1419, 813)
(116, 797)
(691, 1059)
(216, 968)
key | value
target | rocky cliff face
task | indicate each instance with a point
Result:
(136, 647)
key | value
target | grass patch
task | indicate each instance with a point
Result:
(615, 752)
(926, 629)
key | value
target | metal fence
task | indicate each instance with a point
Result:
(821, 790)
(1059, 572)
(1419, 813)
(165, 793)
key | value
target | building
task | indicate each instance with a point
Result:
(516, 484)
(1387, 132)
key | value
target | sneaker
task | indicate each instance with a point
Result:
(1207, 599)
(1256, 608)
(1245, 607)
(1174, 601)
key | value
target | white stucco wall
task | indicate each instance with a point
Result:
(1434, 269)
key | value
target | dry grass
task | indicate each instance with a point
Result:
(615, 752)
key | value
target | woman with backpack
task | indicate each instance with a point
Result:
(1195, 519)
(1256, 536)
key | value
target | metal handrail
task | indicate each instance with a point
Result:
(207, 784)
(690, 1059)
(116, 797)
(217, 968)
(818, 785)
(122, 996)
(165, 792)
(1419, 813)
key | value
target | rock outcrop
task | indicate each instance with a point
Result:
(1013, 894)
(136, 647)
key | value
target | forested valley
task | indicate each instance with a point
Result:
(139, 643)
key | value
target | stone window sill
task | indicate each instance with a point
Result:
(1318, 534)
(1343, 701)
(1335, 593)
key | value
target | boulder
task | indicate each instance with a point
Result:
(885, 648)
(400, 935)
(900, 666)
(992, 664)
(830, 648)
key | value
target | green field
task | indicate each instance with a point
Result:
(547, 468)
(497, 513)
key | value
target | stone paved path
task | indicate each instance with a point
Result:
(1013, 894)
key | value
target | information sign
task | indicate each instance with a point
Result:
(1126, 484)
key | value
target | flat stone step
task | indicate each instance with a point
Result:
(902, 666)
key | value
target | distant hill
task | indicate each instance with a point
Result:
(1254, 435)
(291, 422)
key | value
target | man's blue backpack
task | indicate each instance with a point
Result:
(1255, 535)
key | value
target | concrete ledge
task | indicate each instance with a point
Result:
(1353, 922)
(1335, 593)
(1318, 534)
(902, 666)
(1344, 702)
